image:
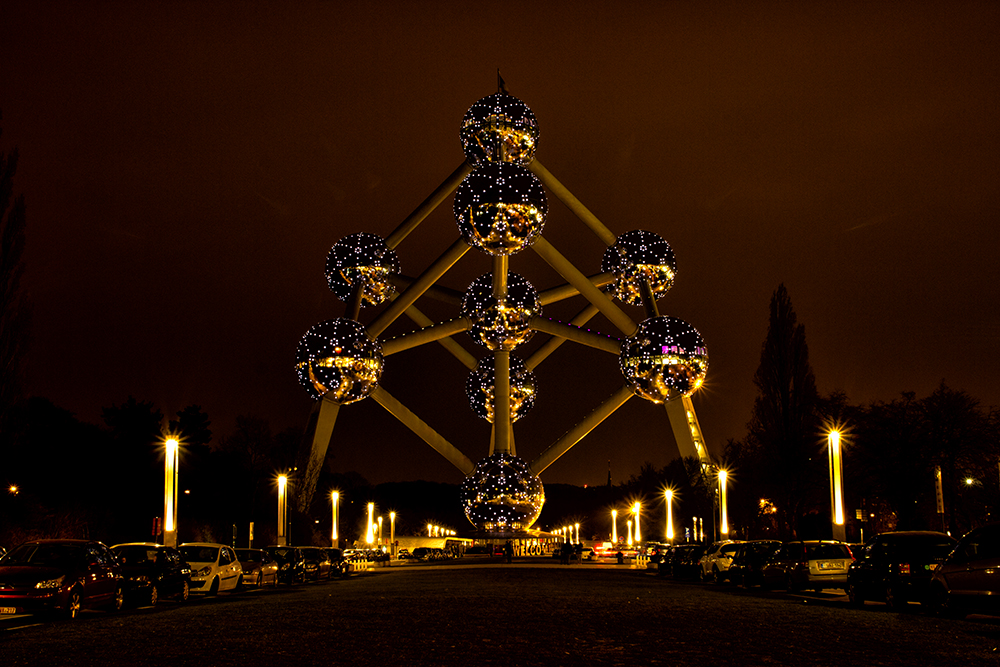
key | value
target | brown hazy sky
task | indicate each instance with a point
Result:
(187, 167)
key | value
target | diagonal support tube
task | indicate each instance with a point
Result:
(568, 291)
(449, 344)
(552, 344)
(428, 205)
(687, 430)
(572, 203)
(576, 334)
(429, 334)
(325, 421)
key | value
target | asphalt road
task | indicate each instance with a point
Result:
(489, 613)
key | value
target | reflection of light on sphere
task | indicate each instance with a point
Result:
(499, 128)
(666, 358)
(336, 357)
(501, 495)
(637, 256)
(361, 258)
(500, 208)
(480, 386)
(496, 325)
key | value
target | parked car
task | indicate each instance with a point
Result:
(259, 567)
(316, 564)
(896, 567)
(152, 571)
(214, 567)
(683, 561)
(60, 576)
(967, 578)
(746, 568)
(339, 565)
(715, 562)
(291, 564)
(808, 564)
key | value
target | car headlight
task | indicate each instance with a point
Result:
(286, 566)
(205, 571)
(51, 583)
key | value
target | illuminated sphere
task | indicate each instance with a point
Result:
(500, 208)
(337, 359)
(496, 324)
(665, 359)
(639, 256)
(362, 259)
(499, 128)
(501, 495)
(480, 386)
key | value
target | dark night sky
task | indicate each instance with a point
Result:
(187, 167)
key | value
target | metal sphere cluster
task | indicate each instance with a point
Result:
(362, 259)
(480, 388)
(665, 359)
(501, 324)
(636, 257)
(499, 128)
(338, 360)
(501, 495)
(500, 208)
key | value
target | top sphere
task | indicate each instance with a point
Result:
(636, 257)
(361, 259)
(499, 128)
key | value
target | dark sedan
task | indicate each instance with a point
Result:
(152, 571)
(748, 562)
(291, 564)
(61, 576)
(896, 567)
(969, 578)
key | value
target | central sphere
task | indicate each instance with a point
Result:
(501, 495)
(500, 208)
(501, 324)
(481, 385)
(499, 128)
(665, 359)
(337, 359)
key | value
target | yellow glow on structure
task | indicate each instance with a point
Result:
(169, 487)
(335, 497)
(836, 478)
(614, 526)
(282, 511)
(635, 511)
(669, 494)
(724, 523)
(369, 535)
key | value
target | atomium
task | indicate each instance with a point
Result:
(501, 323)
(336, 359)
(499, 128)
(639, 257)
(665, 359)
(480, 388)
(501, 495)
(500, 208)
(361, 259)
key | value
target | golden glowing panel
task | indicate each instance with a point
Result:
(499, 128)
(361, 260)
(501, 324)
(337, 358)
(501, 495)
(665, 359)
(500, 208)
(639, 257)
(480, 388)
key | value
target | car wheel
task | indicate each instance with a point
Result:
(939, 603)
(73, 604)
(892, 598)
(239, 585)
(260, 580)
(118, 601)
(214, 588)
(790, 584)
(185, 592)
(154, 595)
(854, 594)
(716, 576)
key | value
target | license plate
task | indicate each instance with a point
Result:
(827, 565)
(932, 567)
(8, 610)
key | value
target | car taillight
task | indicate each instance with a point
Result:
(904, 568)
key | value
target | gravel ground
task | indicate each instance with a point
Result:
(495, 614)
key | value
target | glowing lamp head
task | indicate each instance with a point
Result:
(337, 358)
(282, 483)
(501, 324)
(499, 128)
(664, 360)
(500, 208)
(501, 495)
(637, 257)
(362, 260)
(481, 383)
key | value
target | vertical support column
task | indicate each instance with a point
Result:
(687, 431)
(170, 493)
(501, 402)
(282, 511)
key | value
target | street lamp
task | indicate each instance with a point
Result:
(577, 526)
(392, 534)
(628, 522)
(614, 526)
(369, 535)
(635, 511)
(836, 486)
(669, 533)
(334, 538)
(430, 529)
(282, 510)
(170, 493)
(380, 531)
(723, 499)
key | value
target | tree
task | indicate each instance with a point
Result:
(14, 307)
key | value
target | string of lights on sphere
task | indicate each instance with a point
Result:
(501, 324)
(502, 495)
(499, 128)
(481, 382)
(500, 208)
(639, 257)
(363, 259)
(337, 359)
(666, 358)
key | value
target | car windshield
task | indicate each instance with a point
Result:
(50, 555)
(820, 551)
(249, 555)
(194, 554)
(283, 555)
(135, 555)
(922, 548)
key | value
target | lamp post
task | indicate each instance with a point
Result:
(723, 502)
(635, 511)
(628, 522)
(380, 531)
(369, 534)
(430, 530)
(614, 526)
(577, 526)
(392, 534)
(334, 538)
(669, 532)
(169, 493)
(282, 510)
(836, 486)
